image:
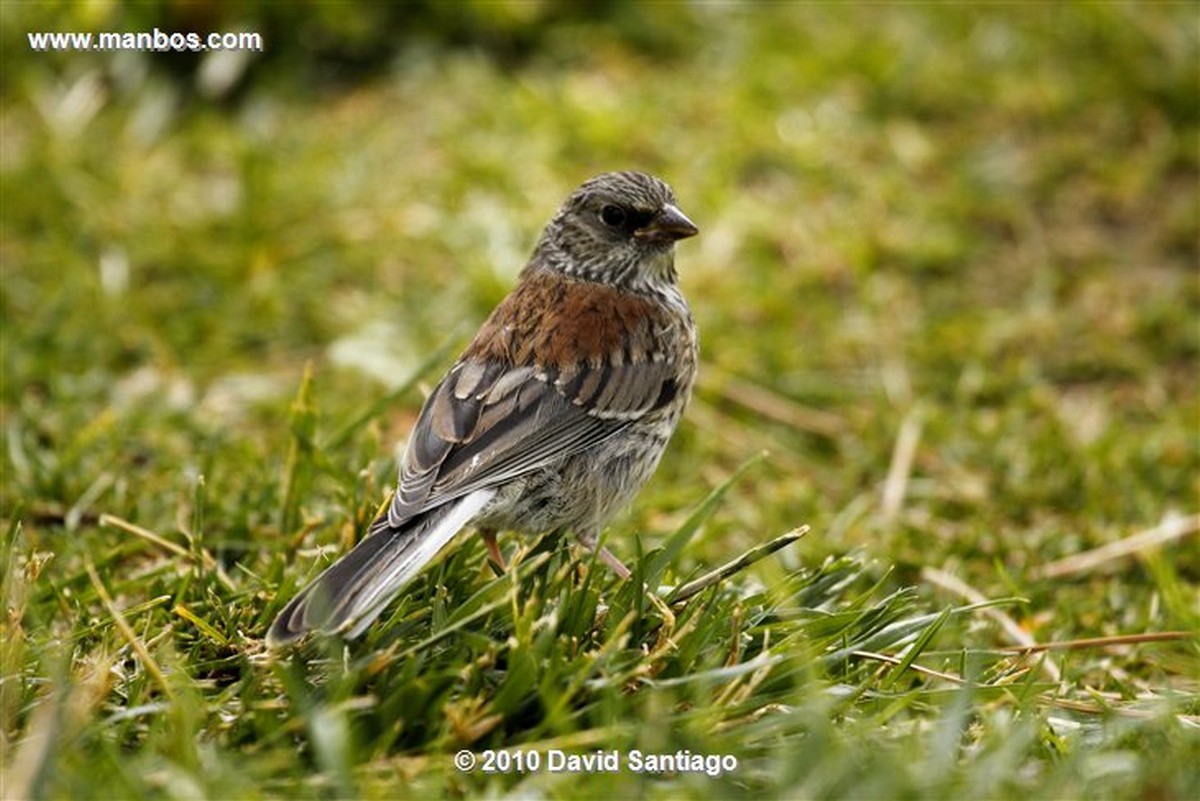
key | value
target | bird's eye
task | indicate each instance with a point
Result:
(613, 216)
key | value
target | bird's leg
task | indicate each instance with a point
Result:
(493, 549)
(614, 564)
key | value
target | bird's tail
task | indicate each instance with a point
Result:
(350, 594)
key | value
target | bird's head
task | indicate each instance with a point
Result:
(618, 228)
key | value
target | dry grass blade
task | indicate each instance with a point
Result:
(905, 450)
(1125, 712)
(769, 403)
(1102, 642)
(150, 536)
(736, 566)
(895, 660)
(128, 633)
(1171, 528)
(25, 769)
(29, 766)
(953, 584)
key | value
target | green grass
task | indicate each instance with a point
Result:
(947, 279)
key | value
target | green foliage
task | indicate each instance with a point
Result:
(946, 279)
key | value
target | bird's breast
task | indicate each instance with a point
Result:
(558, 324)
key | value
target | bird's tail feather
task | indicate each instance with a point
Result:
(354, 590)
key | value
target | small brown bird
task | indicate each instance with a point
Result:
(554, 416)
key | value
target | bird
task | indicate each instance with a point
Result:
(554, 416)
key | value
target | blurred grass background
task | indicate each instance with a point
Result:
(946, 277)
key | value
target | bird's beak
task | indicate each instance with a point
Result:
(668, 225)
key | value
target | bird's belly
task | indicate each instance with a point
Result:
(580, 493)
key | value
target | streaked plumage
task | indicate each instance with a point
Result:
(554, 416)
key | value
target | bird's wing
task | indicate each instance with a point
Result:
(514, 402)
(518, 423)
